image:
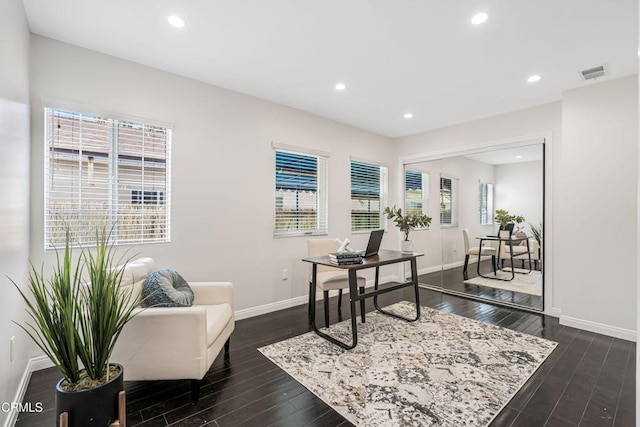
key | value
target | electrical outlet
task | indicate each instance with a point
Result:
(12, 341)
(285, 274)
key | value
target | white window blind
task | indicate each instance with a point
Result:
(416, 191)
(300, 194)
(368, 195)
(102, 172)
(448, 201)
(486, 203)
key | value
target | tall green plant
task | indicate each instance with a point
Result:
(407, 222)
(75, 321)
(55, 312)
(536, 230)
(106, 307)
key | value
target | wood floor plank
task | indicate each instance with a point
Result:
(589, 378)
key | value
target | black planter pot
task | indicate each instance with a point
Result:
(97, 407)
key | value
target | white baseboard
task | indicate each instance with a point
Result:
(599, 328)
(33, 364)
(281, 305)
(437, 268)
(555, 312)
(268, 308)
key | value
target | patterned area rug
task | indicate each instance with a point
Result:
(443, 370)
(526, 283)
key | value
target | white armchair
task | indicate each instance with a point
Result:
(167, 343)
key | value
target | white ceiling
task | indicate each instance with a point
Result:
(395, 56)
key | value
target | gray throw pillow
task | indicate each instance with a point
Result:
(166, 288)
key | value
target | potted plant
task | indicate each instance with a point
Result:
(74, 321)
(406, 223)
(504, 218)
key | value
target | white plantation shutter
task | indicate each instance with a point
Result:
(448, 201)
(416, 191)
(101, 172)
(486, 203)
(368, 195)
(301, 204)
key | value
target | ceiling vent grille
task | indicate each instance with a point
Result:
(593, 73)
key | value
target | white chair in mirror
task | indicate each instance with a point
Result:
(475, 251)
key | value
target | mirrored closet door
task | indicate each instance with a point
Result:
(463, 253)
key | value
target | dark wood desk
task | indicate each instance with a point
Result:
(384, 257)
(509, 242)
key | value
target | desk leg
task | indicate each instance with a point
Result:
(353, 296)
(414, 280)
(312, 295)
(513, 274)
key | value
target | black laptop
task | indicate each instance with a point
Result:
(374, 243)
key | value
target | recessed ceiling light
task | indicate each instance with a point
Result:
(408, 115)
(518, 157)
(533, 78)
(341, 86)
(176, 21)
(479, 18)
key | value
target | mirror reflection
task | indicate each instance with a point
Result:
(485, 240)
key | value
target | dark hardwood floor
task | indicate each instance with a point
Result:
(452, 280)
(589, 379)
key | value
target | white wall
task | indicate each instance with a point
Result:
(14, 190)
(222, 167)
(595, 184)
(469, 173)
(519, 190)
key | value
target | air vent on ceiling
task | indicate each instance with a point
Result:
(593, 73)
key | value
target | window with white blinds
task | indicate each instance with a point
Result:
(102, 172)
(301, 206)
(368, 195)
(416, 192)
(448, 201)
(486, 203)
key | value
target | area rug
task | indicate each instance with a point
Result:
(526, 283)
(443, 370)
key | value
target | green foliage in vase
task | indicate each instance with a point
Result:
(503, 218)
(407, 222)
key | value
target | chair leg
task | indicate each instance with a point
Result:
(195, 391)
(493, 262)
(464, 270)
(339, 299)
(227, 345)
(326, 308)
(362, 307)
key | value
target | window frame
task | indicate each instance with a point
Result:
(422, 202)
(453, 201)
(322, 205)
(120, 234)
(486, 199)
(383, 195)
